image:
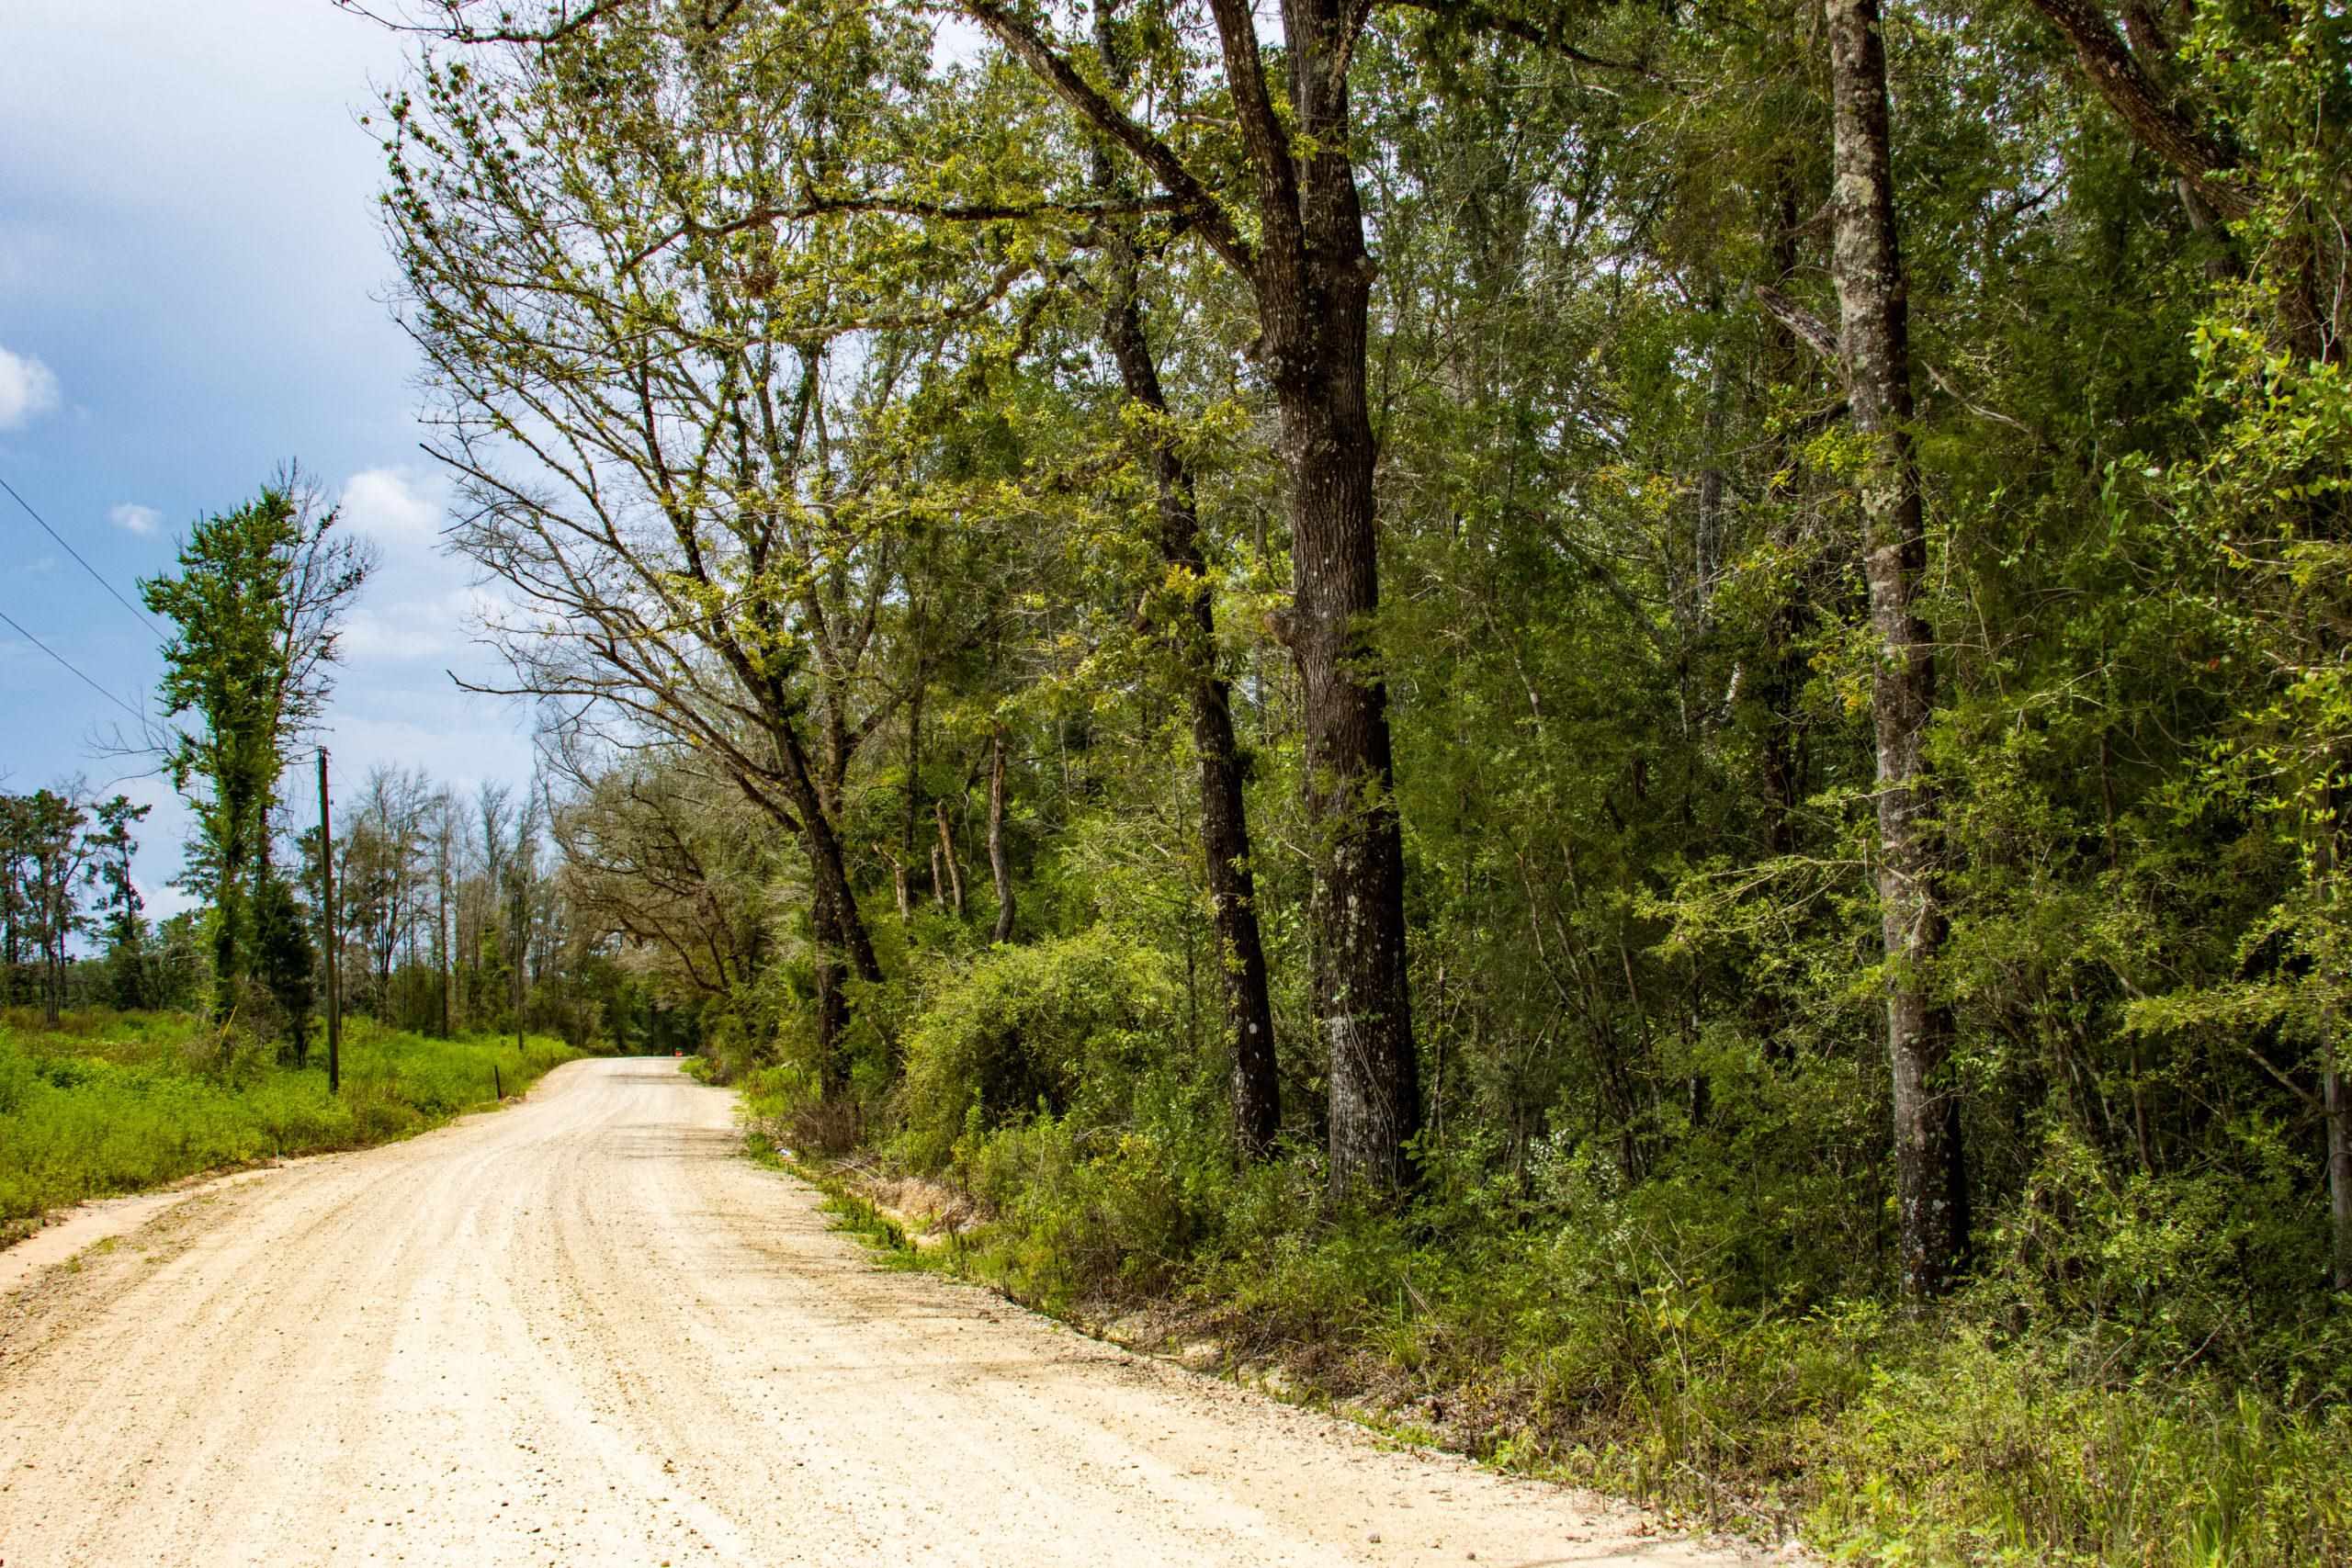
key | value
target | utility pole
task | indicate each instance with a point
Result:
(521, 953)
(326, 897)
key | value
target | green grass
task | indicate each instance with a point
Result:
(112, 1102)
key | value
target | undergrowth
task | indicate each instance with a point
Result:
(112, 1102)
(1578, 1332)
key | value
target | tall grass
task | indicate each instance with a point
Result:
(111, 1102)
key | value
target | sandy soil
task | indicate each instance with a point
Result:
(583, 1331)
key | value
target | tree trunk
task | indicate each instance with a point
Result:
(1783, 670)
(1000, 867)
(903, 866)
(830, 869)
(442, 937)
(1313, 289)
(832, 1006)
(522, 949)
(52, 982)
(954, 897)
(2123, 80)
(229, 917)
(1930, 1175)
(1225, 824)
(1311, 276)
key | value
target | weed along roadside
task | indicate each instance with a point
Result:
(106, 1104)
(864, 1201)
(1848, 1431)
(937, 1236)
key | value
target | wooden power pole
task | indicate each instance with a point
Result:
(522, 953)
(326, 898)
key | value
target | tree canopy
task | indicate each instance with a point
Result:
(1724, 620)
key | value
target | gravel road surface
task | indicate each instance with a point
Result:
(582, 1330)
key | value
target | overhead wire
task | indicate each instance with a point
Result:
(70, 665)
(146, 619)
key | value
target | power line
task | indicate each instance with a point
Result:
(149, 621)
(71, 665)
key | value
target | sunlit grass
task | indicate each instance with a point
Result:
(111, 1102)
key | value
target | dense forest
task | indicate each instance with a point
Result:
(1620, 720)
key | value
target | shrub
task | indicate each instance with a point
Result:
(1062, 1026)
(784, 1105)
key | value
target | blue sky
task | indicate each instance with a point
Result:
(191, 286)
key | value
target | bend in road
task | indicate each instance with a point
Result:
(581, 1331)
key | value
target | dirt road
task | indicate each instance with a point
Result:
(583, 1331)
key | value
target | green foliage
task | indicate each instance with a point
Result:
(1972, 1451)
(282, 961)
(1622, 634)
(113, 1102)
(255, 607)
(1566, 1324)
(1059, 1028)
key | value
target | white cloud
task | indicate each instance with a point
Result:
(28, 389)
(426, 625)
(132, 517)
(423, 605)
(395, 506)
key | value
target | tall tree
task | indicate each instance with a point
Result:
(256, 607)
(1298, 243)
(17, 924)
(683, 514)
(1224, 825)
(55, 851)
(1873, 304)
(119, 903)
(1301, 252)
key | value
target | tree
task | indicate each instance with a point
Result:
(1823, 724)
(119, 903)
(683, 514)
(672, 861)
(283, 961)
(1875, 311)
(1192, 623)
(16, 922)
(256, 607)
(55, 851)
(1305, 261)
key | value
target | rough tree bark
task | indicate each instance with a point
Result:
(1225, 824)
(1873, 308)
(833, 1002)
(999, 865)
(1311, 275)
(2133, 93)
(1314, 291)
(2129, 69)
